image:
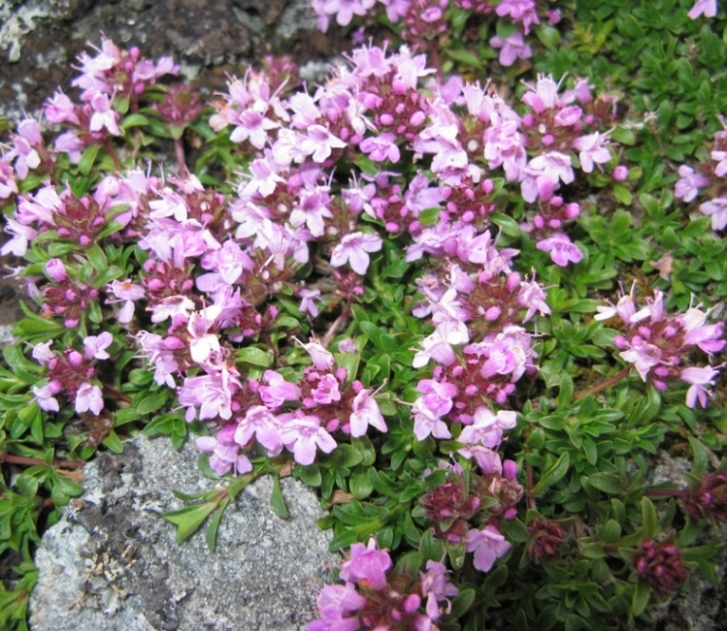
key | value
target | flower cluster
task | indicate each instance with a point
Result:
(659, 345)
(661, 566)
(375, 596)
(111, 84)
(708, 178)
(72, 372)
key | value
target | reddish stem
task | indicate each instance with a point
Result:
(179, 152)
(606, 383)
(24, 460)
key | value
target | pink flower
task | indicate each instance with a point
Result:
(278, 390)
(488, 545)
(512, 48)
(45, 395)
(95, 345)
(365, 411)
(302, 433)
(104, 114)
(127, 292)
(368, 564)
(307, 301)
(89, 398)
(592, 150)
(717, 209)
(354, 249)
(708, 8)
(562, 251)
(264, 426)
(381, 147)
(224, 452)
(698, 377)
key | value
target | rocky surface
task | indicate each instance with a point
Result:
(40, 39)
(111, 563)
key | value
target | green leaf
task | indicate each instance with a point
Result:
(152, 402)
(310, 475)
(113, 443)
(701, 456)
(462, 602)
(360, 484)
(277, 501)
(189, 519)
(464, 57)
(134, 120)
(255, 356)
(549, 36)
(213, 528)
(640, 600)
(648, 517)
(96, 257)
(553, 475)
(507, 224)
(88, 158)
(607, 482)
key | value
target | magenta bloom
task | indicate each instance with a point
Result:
(366, 563)
(488, 545)
(354, 249)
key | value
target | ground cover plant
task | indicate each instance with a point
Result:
(470, 288)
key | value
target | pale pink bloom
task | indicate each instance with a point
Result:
(89, 399)
(171, 306)
(302, 433)
(354, 249)
(487, 428)
(277, 391)
(319, 143)
(544, 95)
(128, 292)
(592, 149)
(512, 48)
(307, 301)
(364, 412)
(643, 356)
(94, 346)
(381, 147)
(202, 344)
(708, 8)
(322, 358)
(325, 393)
(717, 209)
(519, 11)
(56, 270)
(562, 250)
(487, 459)
(104, 114)
(45, 396)
(42, 353)
(488, 545)
(212, 393)
(224, 452)
(264, 426)
(427, 422)
(434, 347)
(698, 377)
(366, 564)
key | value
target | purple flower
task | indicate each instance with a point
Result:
(364, 412)
(224, 452)
(368, 564)
(261, 423)
(708, 8)
(717, 209)
(381, 147)
(354, 249)
(94, 346)
(307, 301)
(689, 183)
(488, 545)
(127, 292)
(45, 395)
(89, 398)
(302, 433)
(277, 391)
(511, 48)
(562, 250)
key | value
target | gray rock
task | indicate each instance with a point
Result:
(40, 39)
(111, 563)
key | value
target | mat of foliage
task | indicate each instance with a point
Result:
(469, 288)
